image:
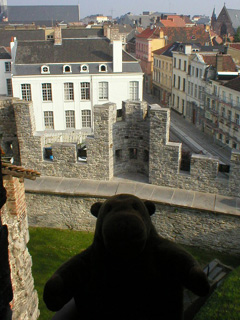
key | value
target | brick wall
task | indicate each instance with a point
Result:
(25, 300)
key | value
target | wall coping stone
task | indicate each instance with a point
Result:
(158, 194)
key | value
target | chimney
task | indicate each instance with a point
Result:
(219, 63)
(117, 56)
(57, 36)
(188, 49)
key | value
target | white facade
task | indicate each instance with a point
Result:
(5, 77)
(195, 90)
(119, 89)
(64, 93)
(179, 81)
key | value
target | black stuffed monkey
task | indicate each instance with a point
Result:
(129, 271)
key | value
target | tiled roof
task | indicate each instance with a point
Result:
(176, 21)
(71, 50)
(4, 54)
(235, 17)
(235, 45)
(147, 33)
(162, 50)
(36, 13)
(228, 63)
(196, 34)
(17, 171)
(168, 23)
(5, 35)
(233, 84)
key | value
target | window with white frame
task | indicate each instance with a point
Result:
(85, 90)
(47, 91)
(45, 69)
(133, 92)
(86, 118)
(48, 120)
(67, 69)
(9, 87)
(8, 66)
(102, 68)
(26, 91)
(84, 68)
(68, 91)
(103, 90)
(70, 118)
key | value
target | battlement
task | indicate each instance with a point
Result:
(132, 140)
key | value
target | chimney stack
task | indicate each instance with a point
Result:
(219, 64)
(117, 56)
(57, 36)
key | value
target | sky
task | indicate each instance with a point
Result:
(118, 8)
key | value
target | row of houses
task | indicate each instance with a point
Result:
(202, 84)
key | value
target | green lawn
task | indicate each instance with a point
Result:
(49, 248)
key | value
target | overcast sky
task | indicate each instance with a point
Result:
(118, 8)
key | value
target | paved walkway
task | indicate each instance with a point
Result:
(143, 190)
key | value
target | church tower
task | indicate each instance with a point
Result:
(213, 19)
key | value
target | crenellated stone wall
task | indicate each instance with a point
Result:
(14, 215)
(138, 142)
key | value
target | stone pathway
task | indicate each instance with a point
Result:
(138, 187)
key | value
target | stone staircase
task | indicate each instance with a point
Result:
(216, 272)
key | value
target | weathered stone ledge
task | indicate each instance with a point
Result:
(162, 195)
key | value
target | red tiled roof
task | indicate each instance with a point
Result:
(162, 50)
(168, 23)
(228, 63)
(146, 33)
(17, 171)
(235, 45)
(196, 34)
(233, 84)
(177, 20)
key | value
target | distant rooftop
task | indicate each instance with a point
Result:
(43, 13)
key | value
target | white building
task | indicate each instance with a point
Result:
(65, 78)
(181, 62)
(5, 72)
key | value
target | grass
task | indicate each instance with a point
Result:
(224, 303)
(50, 248)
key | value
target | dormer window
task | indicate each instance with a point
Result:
(67, 69)
(45, 69)
(102, 68)
(84, 68)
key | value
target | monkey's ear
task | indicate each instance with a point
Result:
(95, 208)
(150, 206)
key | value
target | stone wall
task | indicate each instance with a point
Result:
(165, 157)
(198, 228)
(138, 142)
(25, 299)
(8, 130)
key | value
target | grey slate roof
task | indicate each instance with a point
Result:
(4, 54)
(40, 13)
(71, 50)
(57, 69)
(235, 17)
(82, 32)
(5, 35)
